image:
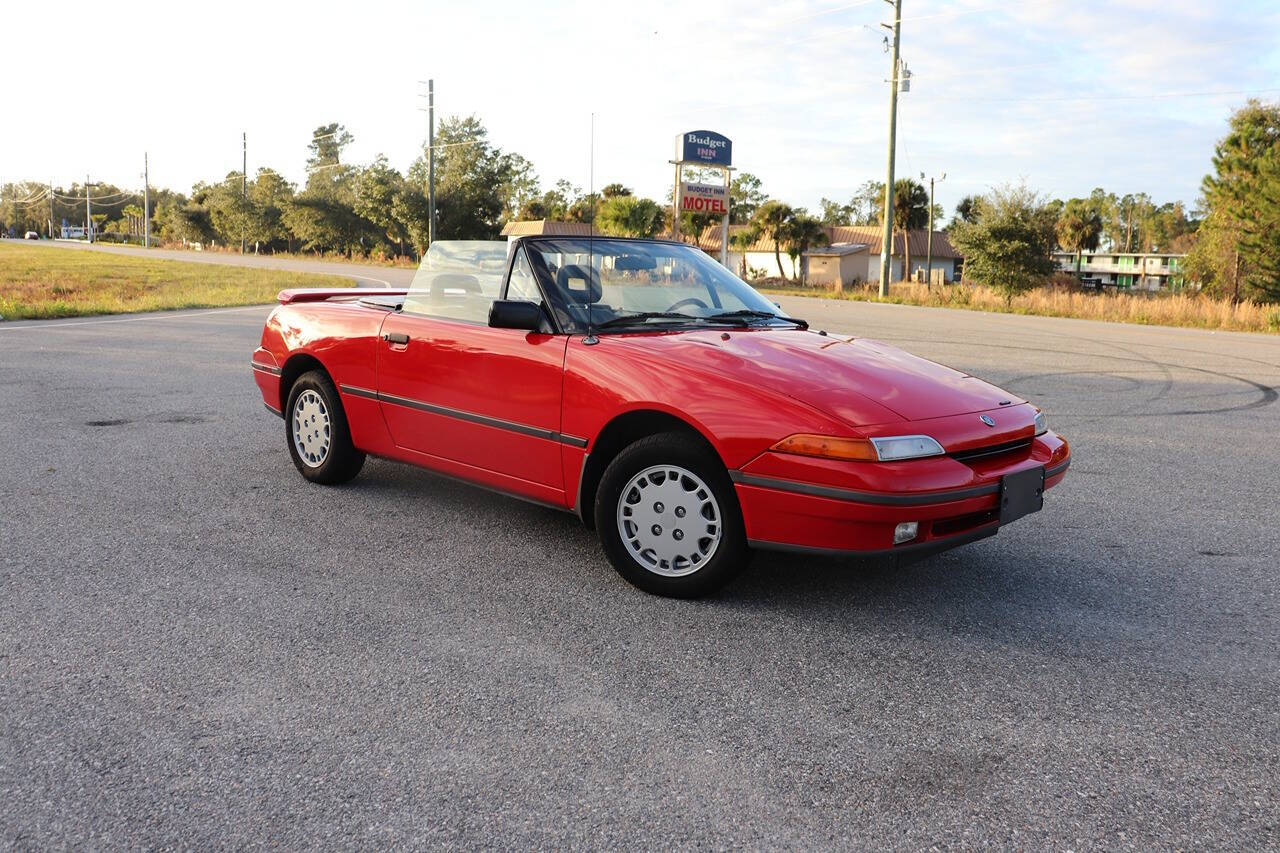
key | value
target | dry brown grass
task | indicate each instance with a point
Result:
(1155, 309)
(43, 282)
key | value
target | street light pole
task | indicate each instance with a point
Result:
(244, 181)
(146, 203)
(886, 229)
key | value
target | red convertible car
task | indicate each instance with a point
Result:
(642, 386)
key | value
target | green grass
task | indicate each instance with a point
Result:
(45, 283)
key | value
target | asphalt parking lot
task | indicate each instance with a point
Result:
(199, 649)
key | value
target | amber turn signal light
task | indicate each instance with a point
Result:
(828, 447)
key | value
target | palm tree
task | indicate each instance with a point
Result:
(773, 222)
(133, 215)
(628, 216)
(1079, 228)
(910, 211)
(804, 233)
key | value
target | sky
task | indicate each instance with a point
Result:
(1066, 95)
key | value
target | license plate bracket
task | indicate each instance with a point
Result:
(1021, 493)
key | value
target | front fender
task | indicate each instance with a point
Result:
(740, 420)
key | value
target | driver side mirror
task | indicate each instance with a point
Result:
(515, 314)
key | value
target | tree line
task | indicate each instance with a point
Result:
(1231, 237)
(369, 210)
(1232, 240)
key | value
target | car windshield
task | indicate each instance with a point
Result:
(622, 284)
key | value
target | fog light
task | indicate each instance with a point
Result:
(905, 532)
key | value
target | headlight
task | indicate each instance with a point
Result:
(906, 447)
(1042, 423)
(890, 449)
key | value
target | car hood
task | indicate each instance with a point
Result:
(859, 381)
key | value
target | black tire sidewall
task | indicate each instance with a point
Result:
(343, 461)
(692, 453)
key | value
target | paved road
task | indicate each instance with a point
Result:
(365, 275)
(199, 649)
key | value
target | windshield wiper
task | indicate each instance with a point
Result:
(642, 317)
(752, 314)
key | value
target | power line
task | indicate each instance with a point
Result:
(311, 169)
(820, 35)
(950, 13)
(110, 198)
(1160, 53)
(822, 13)
(40, 196)
(1142, 97)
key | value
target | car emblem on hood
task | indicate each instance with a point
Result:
(988, 421)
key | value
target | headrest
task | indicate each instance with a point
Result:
(581, 283)
(454, 283)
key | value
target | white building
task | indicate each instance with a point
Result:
(1125, 270)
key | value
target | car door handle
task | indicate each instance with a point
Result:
(395, 338)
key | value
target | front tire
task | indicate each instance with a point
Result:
(315, 428)
(668, 517)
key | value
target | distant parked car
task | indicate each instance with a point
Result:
(31, 235)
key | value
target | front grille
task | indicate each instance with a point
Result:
(991, 450)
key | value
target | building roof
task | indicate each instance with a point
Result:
(546, 227)
(836, 250)
(868, 235)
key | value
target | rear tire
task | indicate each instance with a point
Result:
(668, 517)
(315, 429)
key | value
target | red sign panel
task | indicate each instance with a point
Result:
(704, 198)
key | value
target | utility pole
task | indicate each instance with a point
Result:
(886, 230)
(244, 181)
(928, 250)
(431, 158)
(675, 204)
(50, 210)
(88, 212)
(724, 220)
(146, 203)
(431, 162)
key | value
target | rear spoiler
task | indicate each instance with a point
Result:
(288, 297)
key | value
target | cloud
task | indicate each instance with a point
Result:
(1032, 88)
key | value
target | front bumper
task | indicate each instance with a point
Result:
(805, 510)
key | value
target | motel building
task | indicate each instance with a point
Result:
(1126, 270)
(851, 257)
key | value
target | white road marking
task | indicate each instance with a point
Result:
(18, 325)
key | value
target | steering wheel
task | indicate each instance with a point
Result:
(692, 300)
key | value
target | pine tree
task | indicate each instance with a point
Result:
(1242, 198)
